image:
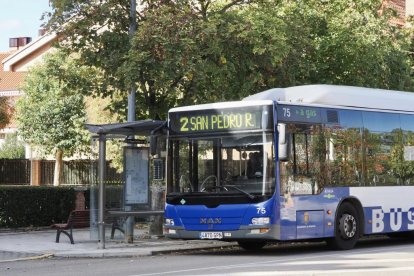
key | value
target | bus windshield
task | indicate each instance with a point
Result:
(226, 164)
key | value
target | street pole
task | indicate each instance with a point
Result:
(101, 197)
(129, 227)
(132, 30)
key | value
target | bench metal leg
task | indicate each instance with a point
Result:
(112, 232)
(70, 236)
(57, 236)
(115, 226)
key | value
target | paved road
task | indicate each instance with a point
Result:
(371, 257)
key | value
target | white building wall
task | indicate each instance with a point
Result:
(409, 7)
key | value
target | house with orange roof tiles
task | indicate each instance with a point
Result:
(14, 65)
(9, 87)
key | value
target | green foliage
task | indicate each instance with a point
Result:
(179, 57)
(26, 206)
(359, 47)
(52, 113)
(12, 148)
(5, 111)
(187, 52)
(99, 32)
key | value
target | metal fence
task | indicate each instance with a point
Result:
(75, 172)
(79, 172)
(14, 171)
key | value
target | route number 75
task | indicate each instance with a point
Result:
(261, 210)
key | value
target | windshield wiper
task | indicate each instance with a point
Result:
(249, 195)
(174, 196)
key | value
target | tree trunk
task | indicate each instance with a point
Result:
(57, 177)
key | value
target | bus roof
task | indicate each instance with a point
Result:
(337, 95)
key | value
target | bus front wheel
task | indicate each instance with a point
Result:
(347, 227)
(251, 245)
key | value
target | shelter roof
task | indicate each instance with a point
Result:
(142, 128)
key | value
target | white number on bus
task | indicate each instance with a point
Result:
(286, 112)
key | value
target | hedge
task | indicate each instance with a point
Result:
(29, 206)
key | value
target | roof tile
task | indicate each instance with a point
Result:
(9, 80)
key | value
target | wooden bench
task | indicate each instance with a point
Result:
(77, 219)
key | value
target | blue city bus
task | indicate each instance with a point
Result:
(299, 163)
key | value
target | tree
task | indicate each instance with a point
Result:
(6, 112)
(358, 46)
(99, 31)
(187, 52)
(182, 56)
(51, 114)
(12, 148)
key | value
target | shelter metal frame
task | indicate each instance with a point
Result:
(118, 130)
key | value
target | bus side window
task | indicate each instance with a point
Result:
(407, 151)
(345, 162)
(382, 142)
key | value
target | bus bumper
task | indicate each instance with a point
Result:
(263, 232)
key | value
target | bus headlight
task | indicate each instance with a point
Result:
(260, 221)
(169, 222)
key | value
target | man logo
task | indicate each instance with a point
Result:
(210, 220)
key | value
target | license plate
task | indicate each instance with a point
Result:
(211, 235)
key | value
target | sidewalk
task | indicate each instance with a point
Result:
(41, 244)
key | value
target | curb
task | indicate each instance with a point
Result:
(187, 250)
(155, 252)
(39, 257)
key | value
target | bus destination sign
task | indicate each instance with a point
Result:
(299, 113)
(215, 120)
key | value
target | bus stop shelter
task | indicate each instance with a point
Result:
(128, 130)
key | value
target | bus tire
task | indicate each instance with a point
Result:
(347, 227)
(251, 245)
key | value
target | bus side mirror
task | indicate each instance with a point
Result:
(283, 145)
(153, 144)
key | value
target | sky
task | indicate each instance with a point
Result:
(20, 18)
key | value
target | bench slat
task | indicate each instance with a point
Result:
(80, 219)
